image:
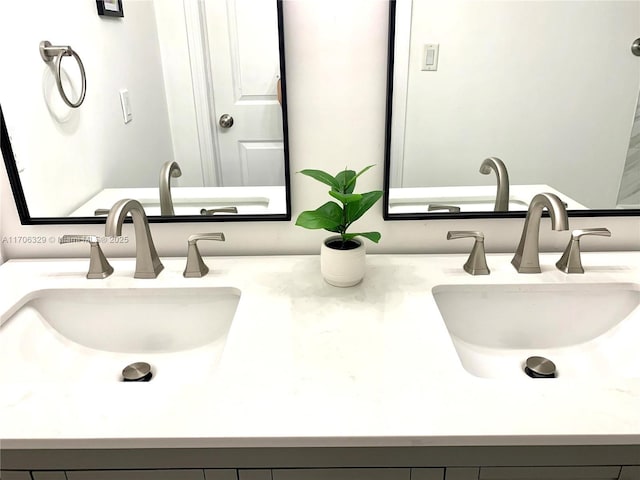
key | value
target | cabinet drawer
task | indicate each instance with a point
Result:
(221, 474)
(8, 475)
(462, 473)
(48, 476)
(427, 474)
(254, 474)
(549, 473)
(630, 473)
(136, 475)
(343, 474)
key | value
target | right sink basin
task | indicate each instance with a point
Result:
(587, 330)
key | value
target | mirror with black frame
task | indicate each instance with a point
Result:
(492, 102)
(178, 104)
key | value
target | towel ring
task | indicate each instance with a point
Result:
(50, 53)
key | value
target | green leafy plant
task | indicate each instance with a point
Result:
(338, 217)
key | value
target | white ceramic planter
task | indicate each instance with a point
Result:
(342, 268)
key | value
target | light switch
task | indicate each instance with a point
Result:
(125, 102)
(430, 57)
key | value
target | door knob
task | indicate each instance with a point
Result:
(226, 121)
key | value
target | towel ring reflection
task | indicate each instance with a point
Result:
(50, 53)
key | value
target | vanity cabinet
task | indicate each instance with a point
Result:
(434, 473)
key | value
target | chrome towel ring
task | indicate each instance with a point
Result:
(50, 53)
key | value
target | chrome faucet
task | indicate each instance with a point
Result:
(169, 169)
(148, 264)
(502, 194)
(526, 258)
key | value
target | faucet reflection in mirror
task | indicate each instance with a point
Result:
(169, 169)
(502, 177)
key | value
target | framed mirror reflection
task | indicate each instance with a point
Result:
(491, 102)
(184, 110)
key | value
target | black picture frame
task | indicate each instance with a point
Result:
(108, 8)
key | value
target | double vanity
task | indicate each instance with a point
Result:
(471, 366)
(260, 365)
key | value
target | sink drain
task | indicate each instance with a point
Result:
(540, 367)
(137, 372)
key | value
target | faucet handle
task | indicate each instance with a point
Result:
(99, 266)
(213, 211)
(477, 262)
(195, 265)
(449, 208)
(570, 261)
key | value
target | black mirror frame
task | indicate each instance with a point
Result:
(447, 215)
(27, 219)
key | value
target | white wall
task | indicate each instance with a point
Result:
(80, 150)
(548, 87)
(336, 74)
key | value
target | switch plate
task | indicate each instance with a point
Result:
(125, 102)
(430, 53)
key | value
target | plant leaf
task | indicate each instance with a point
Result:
(321, 176)
(357, 175)
(355, 210)
(328, 217)
(373, 236)
(345, 197)
(344, 181)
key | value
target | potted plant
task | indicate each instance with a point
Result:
(342, 256)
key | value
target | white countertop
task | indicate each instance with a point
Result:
(308, 364)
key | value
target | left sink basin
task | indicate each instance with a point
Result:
(107, 328)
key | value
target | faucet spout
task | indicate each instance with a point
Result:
(502, 195)
(169, 169)
(526, 259)
(148, 264)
